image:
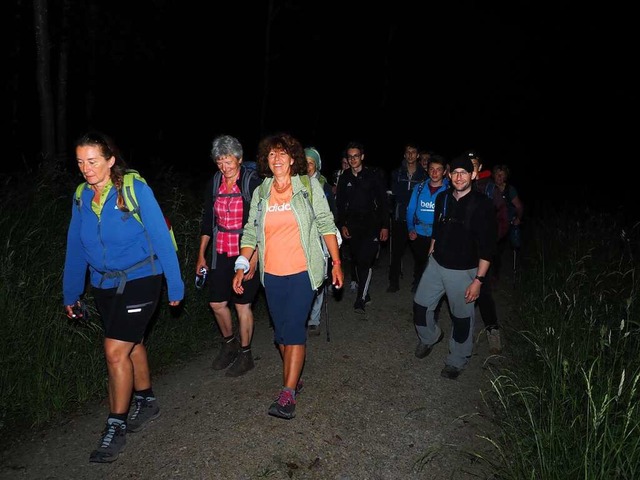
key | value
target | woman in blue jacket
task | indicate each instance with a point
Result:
(126, 259)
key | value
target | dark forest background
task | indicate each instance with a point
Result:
(546, 87)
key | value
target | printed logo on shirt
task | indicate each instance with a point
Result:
(349, 184)
(430, 205)
(279, 208)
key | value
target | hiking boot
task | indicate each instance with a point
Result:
(112, 442)
(495, 345)
(227, 354)
(450, 372)
(243, 363)
(393, 288)
(284, 406)
(367, 299)
(314, 330)
(353, 286)
(423, 350)
(358, 306)
(145, 409)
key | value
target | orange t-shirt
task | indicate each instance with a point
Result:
(283, 253)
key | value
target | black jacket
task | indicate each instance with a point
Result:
(362, 198)
(464, 230)
(401, 187)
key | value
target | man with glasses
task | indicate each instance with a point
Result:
(462, 246)
(363, 218)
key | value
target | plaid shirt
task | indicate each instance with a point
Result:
(228, 211)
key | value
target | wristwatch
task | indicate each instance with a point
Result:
(480, 279)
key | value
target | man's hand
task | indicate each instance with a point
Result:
(472, 292)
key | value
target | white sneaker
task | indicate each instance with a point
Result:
(495, 345)
(353, 286)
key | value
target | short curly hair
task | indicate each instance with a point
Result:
(286, 143)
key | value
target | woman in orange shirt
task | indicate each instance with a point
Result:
(285, 225)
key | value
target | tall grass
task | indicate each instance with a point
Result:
(567, 406)
(49, 365)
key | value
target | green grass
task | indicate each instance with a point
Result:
(567, 405)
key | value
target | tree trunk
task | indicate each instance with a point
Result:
(271, 14)
(62, 84)
(43, 81)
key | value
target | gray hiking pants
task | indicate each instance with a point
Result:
(437, 281)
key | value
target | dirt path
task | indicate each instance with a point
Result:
(370, 410)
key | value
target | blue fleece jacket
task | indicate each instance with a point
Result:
(114, 241)
(421, 206)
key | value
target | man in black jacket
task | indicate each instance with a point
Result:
(363, 218)
(403, 179)
(462, 246)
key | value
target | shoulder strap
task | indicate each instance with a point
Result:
(473, 202)
(78, 196)
(421, 185)
(246, 184)
(130, 199)
(307, 192)
(129, 192)
(217, 178)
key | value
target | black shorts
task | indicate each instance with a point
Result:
(221, 282)
(126, 317)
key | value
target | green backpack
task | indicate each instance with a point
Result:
(130, 199)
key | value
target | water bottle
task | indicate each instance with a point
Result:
(201, 278)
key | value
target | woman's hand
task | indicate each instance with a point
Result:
(253, 266)
(237, 282)
(200, 265)
(76, 310)
(68, 310)
(337, 276)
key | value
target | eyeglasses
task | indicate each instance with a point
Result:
(461, 174)
(354, 157)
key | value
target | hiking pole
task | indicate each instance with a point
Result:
(390, 244)
(325, 307)
(515, 266)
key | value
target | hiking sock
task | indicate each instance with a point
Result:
(292, 391)
(146, 393)
(118, 417)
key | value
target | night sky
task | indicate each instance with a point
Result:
(542, 86)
